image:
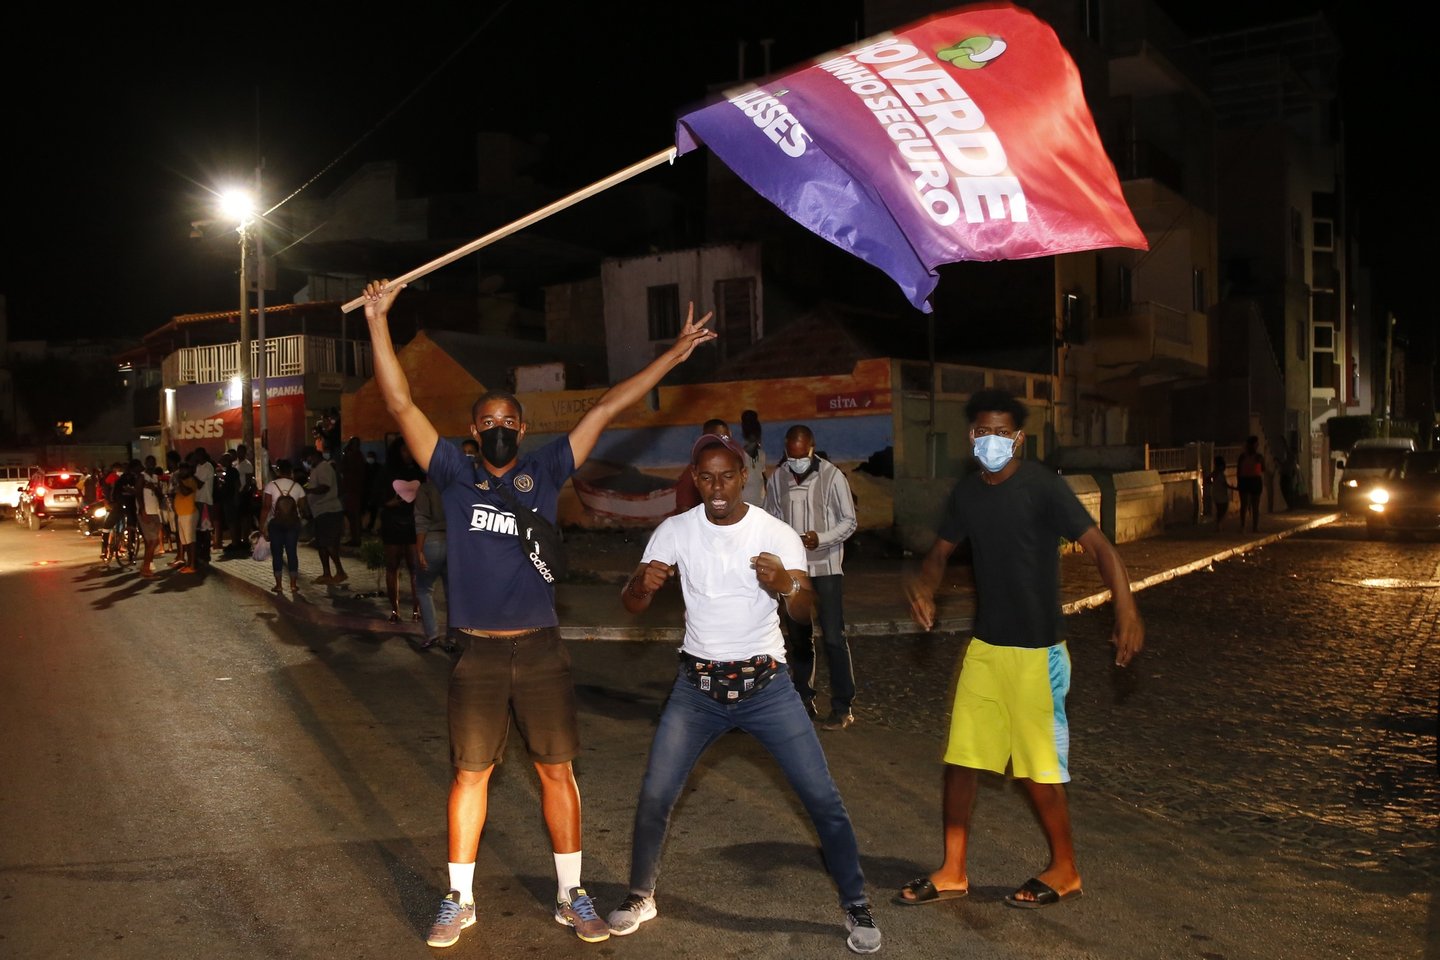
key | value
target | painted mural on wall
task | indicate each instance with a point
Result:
(208, 415)
(630, 477)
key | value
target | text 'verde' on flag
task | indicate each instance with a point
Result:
(963, 136)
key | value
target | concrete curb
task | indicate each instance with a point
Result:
(665, 634)
(327, 616)
(310, 612)
(1098, 599)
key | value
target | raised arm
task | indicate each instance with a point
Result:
(1129, 632)
(420, 434)
(586, 433)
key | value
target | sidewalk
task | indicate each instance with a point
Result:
(600, 562)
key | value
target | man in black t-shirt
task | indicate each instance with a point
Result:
(222, 512)
(1008, 713)
(123, 485)
(121, 491)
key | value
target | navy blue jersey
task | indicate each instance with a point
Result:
(492, 584)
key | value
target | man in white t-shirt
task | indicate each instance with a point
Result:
(733, 561)
(204, 505)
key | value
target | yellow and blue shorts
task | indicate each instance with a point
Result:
(1009, 712)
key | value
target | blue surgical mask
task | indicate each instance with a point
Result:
(994, 451)
(798, 464)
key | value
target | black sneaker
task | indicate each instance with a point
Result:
(864, 935)
(838, 721)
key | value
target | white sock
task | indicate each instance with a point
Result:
(462, 878)
(567, 873)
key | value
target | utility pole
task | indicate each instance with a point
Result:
(1389, 349)
(260, 455)
(247, 403)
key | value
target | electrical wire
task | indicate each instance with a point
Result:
(375, 127)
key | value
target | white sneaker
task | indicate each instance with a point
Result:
(633, 911)
(864, 935)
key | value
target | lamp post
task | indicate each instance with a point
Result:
(260, 456)
(238, 206)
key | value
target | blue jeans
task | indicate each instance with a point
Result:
(426, 579)
(691, 722)
(800, 648)
(284, 549)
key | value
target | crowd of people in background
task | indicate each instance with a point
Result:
(195, 507)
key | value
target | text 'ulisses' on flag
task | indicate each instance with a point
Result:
(964, 136)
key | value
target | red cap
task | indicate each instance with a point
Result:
(708, 440)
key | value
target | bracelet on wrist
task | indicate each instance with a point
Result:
(794, 587)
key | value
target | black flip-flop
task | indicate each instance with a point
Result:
(1044, 894)
(923, 891)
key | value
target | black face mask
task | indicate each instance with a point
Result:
(498, 445)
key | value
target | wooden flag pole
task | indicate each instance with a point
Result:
(654, 160)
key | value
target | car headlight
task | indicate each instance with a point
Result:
(1379, 495)
(100, 513)
(1352, 483)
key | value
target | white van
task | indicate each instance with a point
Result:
(1368, 461)
(13, 478)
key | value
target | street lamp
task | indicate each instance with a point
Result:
(238, 206)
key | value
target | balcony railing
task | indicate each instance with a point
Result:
(284, 357)
(1141, 160)
(1151, 331)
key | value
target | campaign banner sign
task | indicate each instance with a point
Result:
(209, 415)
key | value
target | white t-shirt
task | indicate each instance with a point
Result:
(754, 491)
(280, 486)
(205, 473)
(728, 615)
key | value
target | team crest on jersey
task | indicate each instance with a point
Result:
(524, 483)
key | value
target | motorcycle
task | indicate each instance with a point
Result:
(91, 521)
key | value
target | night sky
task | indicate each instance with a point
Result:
(119, 126)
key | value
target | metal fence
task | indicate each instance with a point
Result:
(1191, 457)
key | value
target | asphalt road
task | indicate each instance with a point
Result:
(183, 771)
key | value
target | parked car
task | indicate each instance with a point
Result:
(1408, 498)
(51, 494)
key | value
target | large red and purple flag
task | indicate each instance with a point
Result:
(963, 136)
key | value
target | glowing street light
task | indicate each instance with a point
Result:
(238, 206)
